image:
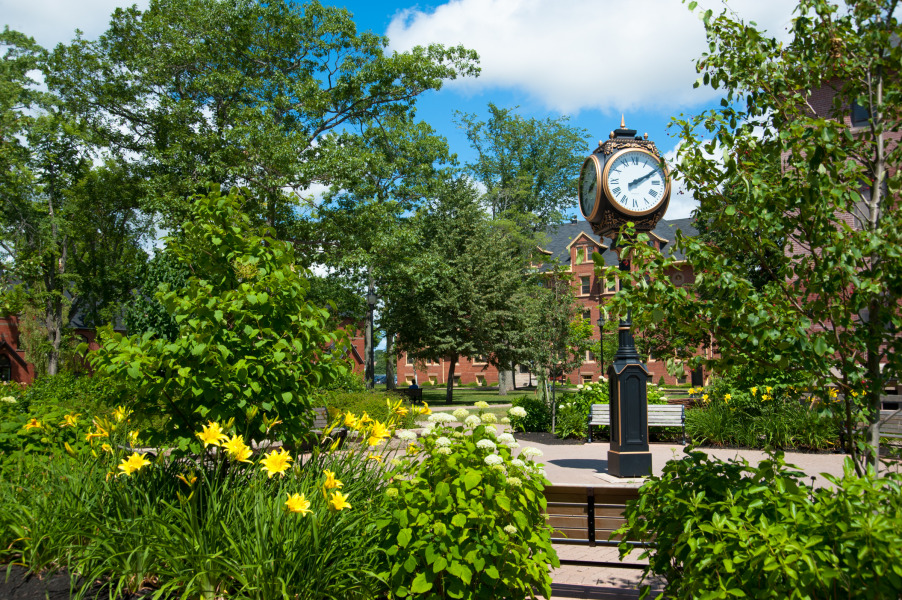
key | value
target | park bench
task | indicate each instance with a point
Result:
(891, 423)
(587, 516)
(415, 395)
(659, 415)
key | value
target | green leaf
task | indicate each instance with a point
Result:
(420, 584)
(472, 479)
(404, 537)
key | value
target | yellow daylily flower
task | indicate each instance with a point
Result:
(351, 420)
(727, 398)
(754, 391)
(70, 420)
(331, 481)
(237, 449)
(376, 457)
(425, 410)
(705, 397)
(133, 437)
(378, 434)
(33, 424)
(212, 434)
(412, 449)
(133, 463)
(365, 418)
(107, 448)
(100, 432)
(69, 449)
(769, 389)
(338, 501)
(276, 462)
(120, 414)
(298, 504)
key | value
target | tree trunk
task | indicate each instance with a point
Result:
(389, 362)
(54, 323)
(449, 386)
(502, 382)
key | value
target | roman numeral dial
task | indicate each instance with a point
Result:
(635, 181)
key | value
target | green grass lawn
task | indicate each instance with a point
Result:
(467, 396)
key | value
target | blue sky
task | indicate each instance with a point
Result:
(591, 60)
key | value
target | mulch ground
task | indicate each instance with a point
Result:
(16, 583)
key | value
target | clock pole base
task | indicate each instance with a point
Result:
(629, 464)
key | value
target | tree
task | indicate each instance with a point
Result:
(453, 296)
(528, 166)
(250, 347)
(70, 229)
(555, 336)
(271, 96)
(831, 211)
(144, 313)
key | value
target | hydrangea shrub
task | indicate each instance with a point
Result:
(467, 517)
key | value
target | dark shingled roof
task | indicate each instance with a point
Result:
(560, 236)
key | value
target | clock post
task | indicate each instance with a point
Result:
(625, 180)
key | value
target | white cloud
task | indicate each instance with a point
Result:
(582, 54)
(682, 202)
(51, 22)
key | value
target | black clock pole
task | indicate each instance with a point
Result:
(628, 379)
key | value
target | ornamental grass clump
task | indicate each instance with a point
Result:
(465, 519)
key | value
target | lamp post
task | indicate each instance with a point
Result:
(370, 369)
(600, 323)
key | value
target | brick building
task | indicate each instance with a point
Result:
(570, 245)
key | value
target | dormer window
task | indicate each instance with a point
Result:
(860, 115)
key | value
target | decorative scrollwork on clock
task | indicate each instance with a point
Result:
(611, 146)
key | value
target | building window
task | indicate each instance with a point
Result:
(587, 314)
(586, 284)
(433, 380)
(409, 380)
(6, 369)
(524, 370)
(587, 379)
(407, 360)
(480, 380)
(860, 115)
(590, 356)
(457, 380)
(479, 360)
(611, 286)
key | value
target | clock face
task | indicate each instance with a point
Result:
(588, 186)
(635, 181)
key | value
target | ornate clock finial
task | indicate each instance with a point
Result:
(645, 137)
(622, 122)
(612, 135)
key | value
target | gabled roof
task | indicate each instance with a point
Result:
(562, 237)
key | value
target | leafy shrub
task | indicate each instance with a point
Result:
(538, 417)
(761, 417)
(466, 518)
(250, 346)
(571, 420)
(725, 529)
(374, 404)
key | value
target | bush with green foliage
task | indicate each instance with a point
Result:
(250, 346)
(761, 417)
(466, 518)
(538, 416)
(725, 530)
(375, 404)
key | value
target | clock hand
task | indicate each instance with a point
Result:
(636, 182)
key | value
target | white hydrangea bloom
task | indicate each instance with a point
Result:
(510, 529)
(506, 420)
(461, 413)
(517, 411)
(506, 438)
(489, 418)
(440, 417)
(457, 434)
(481, 404)
(518, 463)
(486, 445)
(443, 450)
(579, 386)
(514, 481)
(529, 451)
(472, 421)
(406, 434)
(493, 459)
(490, 429)
(442, 441)
(499, 468)
(512, 445)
